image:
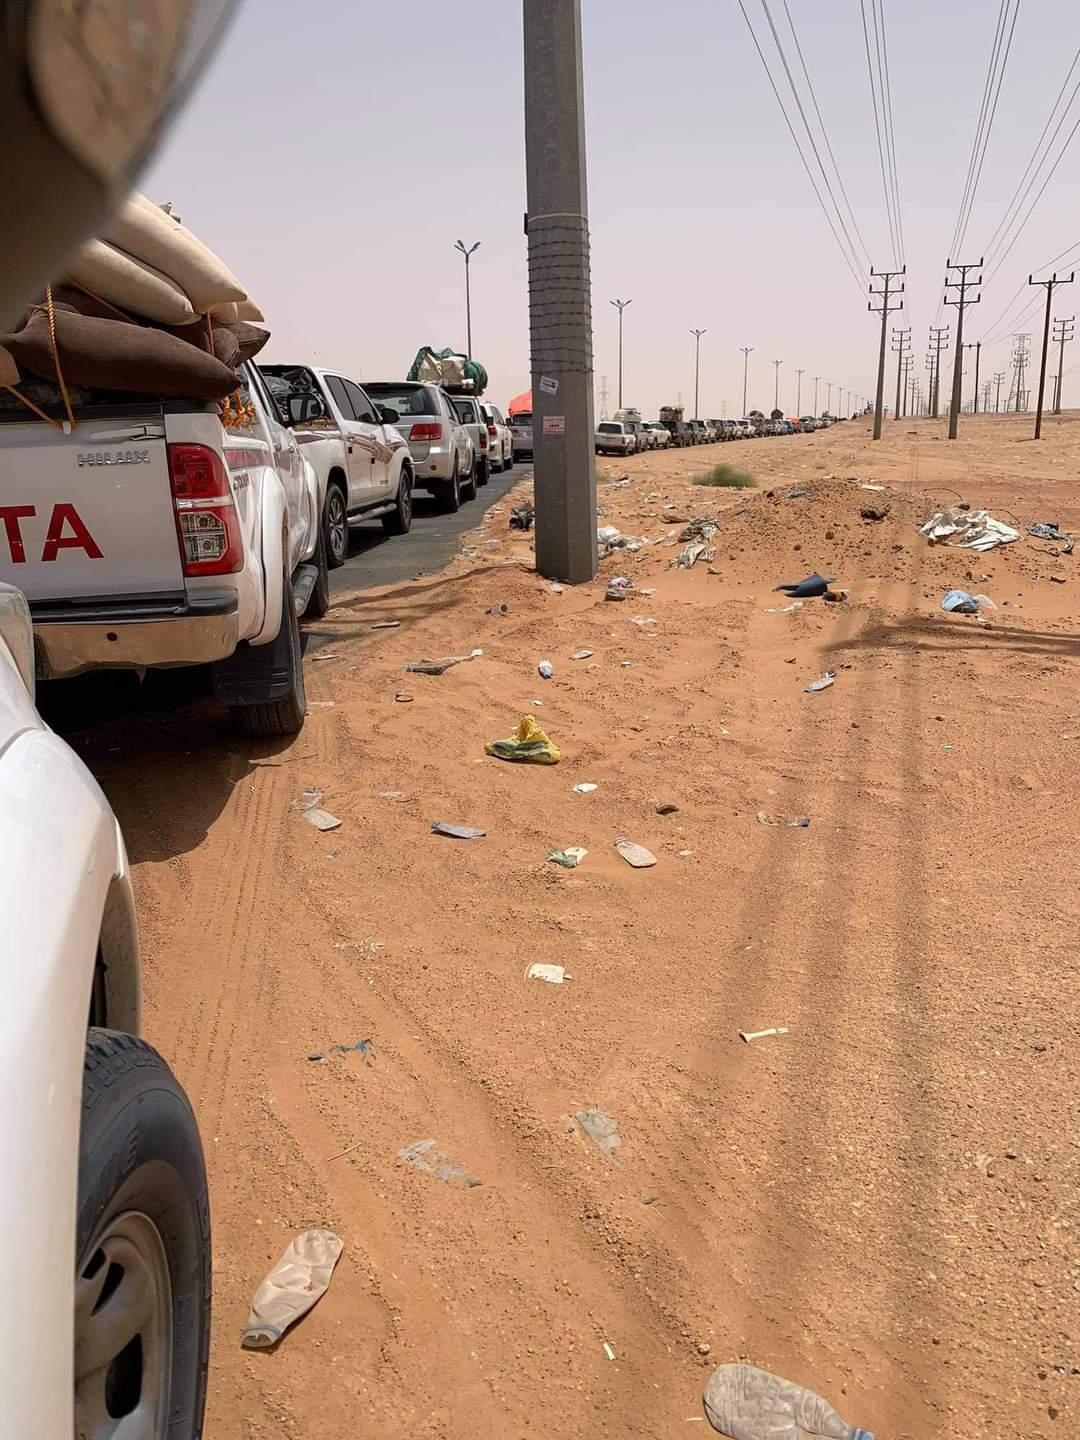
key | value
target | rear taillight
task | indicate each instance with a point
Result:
(492, 431)
(426, 432)
(207, 524)
(483, 438)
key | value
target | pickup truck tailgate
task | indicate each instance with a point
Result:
(88, 514)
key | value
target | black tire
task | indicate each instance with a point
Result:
(283, 716)
(399, 521)
(319, 599)
(482, 472)
(468, 486)
(142, 1229)
(450, 493)
(336, 526)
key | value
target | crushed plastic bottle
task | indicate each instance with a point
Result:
(744, 1403)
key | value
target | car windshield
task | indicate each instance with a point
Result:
(522, 422)
(406, 400)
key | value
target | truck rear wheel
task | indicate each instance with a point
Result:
(319, 601)
(450, 493)
(336, 527)
(283, 715)
(399, 520)
(142, 1271)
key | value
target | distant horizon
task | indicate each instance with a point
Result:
(343, 225)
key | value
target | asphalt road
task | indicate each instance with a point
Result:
(376, 558)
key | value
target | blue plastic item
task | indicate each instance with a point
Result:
(960, 602)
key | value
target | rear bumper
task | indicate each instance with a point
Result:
(432, 464)
(133, 634)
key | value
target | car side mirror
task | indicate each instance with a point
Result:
(305, 407)
(387, 416)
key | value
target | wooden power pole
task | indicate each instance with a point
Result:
(962, 301)
(888, 276)
(1050, 286)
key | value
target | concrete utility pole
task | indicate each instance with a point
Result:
(697, 334)
(620, 305)
(815, 379)
(999, 376)
(939, 340)
(1050, 284)
(1020, 359)
(798, 392)
(468, 253)
(976, 345)
(1063, 332)
(961, 302)
(746, 351)
(560, 313)
(888, 276)
(776, 387)
(901, 342)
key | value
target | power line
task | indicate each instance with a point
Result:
(989, 126)
(1038, 197)
(1022, 287)
(881, 149)
(802, 157)
(885, 86)
(994, 75)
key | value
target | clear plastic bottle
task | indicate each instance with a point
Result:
(748, 1404)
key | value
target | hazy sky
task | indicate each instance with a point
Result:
(335, 151)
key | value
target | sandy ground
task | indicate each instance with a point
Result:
(881, 1203)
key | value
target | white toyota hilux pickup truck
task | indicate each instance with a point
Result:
(107, 1187)
(161, 533)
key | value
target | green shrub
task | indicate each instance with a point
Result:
(726, 476)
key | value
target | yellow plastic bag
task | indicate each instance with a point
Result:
(528, 743)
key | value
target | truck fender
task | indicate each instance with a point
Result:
(58, 843)
(314, 509)
(273, 512)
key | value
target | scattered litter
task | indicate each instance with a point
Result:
(835, 597)
(386, 625)
(785, 609)
(808, 589)
(608, 1351)
(321, 819)
(601, 1130)
(620, 582)
(365, 1048)
(457, 832)
(309, 797)
(553, 974)
(528, 744)
(390, 795)
(797, 495)
(401, 698)
(521, 516)
(538, 703)
(744, 1403)
(422, 1155)
(545, 669)
(570, 858)
(867, 486)
(802, 823)
(875, 512)
(649, 590)
(689, 557)
(649, 1199)
(821, 683)
(610, 538)
(626, 664)
(320, 705)
(300, 1277)
(702, 527)
(748, 1035)
(643, 620)
(960, 602)
(502, 609)
(1047, 530)
(581, 655)
(316, 1055)
(440, 666)
(977, 529)
(667, 807)
(614, 592)
(635, 855)
(325, 655)
(685, 854)
(585, 788)
(556, 588)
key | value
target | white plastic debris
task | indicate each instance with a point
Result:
(321, 819)
(553, 974)
(635, 855)
(747, 1035)
(784, 609)
(300, 1277)
(821, 683)
(585, 788)
(569, 858)
(744, 1403)
(581, 655)
(976, 529)
(545, 669)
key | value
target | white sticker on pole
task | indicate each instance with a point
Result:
(554, 424)
(548, 385)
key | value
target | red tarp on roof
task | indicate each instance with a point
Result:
(521, 404)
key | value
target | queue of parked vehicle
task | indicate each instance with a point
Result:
(628, 434)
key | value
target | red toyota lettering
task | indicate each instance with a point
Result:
(79, 539)
(11, 515)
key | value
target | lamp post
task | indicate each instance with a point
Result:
(746, 350)
(776, 387)
(798, 392)
(620, 305)
(468, 298)
(697, 334)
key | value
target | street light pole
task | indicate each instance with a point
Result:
(776, 387)
(468, 298)
(697, 334)
(798, 392)
(816, 379)
(620, 305)
(746, 351)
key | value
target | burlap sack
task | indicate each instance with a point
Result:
(128, 283)
(248, 310)
(144, 230)
(9, 371)
(113, 355)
